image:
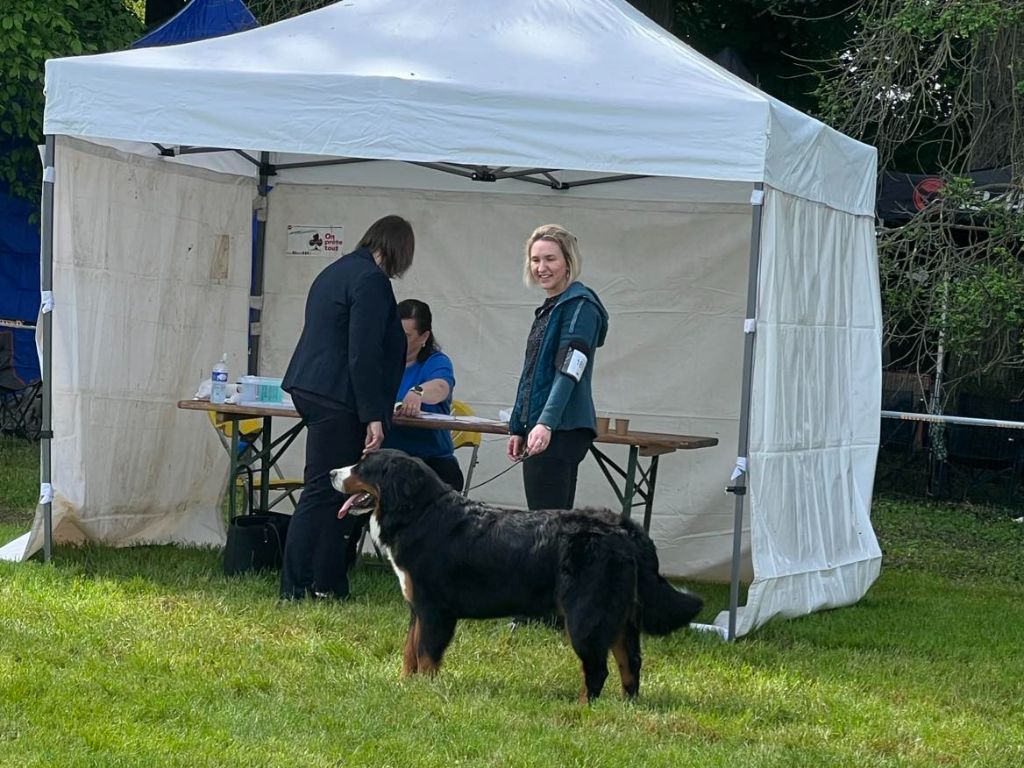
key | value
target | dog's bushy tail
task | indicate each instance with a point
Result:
(663, 608)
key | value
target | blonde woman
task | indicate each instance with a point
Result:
(553, 419)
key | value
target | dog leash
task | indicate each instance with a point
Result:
(520, 460)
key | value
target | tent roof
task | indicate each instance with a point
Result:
(590, 86)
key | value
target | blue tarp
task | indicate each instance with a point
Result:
(198, 20)
(19, 279)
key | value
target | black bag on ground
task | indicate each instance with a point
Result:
(255, 543)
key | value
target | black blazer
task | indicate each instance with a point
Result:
(352, 347)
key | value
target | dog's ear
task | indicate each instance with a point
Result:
(406, 484)
(391, 481)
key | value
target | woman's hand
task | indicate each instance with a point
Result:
(410, 405)
(514, 451)
(539, 439)
(374, 437)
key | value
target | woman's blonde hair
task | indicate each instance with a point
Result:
(566, 241)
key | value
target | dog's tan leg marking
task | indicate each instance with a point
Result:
(409, 661)
(427, 665)
(621, 654)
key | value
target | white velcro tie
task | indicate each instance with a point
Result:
(49, 174)
(757, 197)
(47, 301)
(750, 325)
(741, 467)
(45, 493)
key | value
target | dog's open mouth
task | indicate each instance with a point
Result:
(358, 504)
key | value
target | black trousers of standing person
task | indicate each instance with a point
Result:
(448, 469)
(315, 552)
(549, 478)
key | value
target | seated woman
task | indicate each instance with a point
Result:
(426, 386)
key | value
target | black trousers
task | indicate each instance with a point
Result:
(448, 470)
(550, 477)
(315, 552)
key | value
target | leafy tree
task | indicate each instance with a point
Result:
(938, 87)
(781, 42)
(32, 31)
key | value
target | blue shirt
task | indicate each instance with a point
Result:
(425, 443)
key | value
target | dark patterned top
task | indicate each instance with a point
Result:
(540, 324)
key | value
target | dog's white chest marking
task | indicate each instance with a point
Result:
(403, 578)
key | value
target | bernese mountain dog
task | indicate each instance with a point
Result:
(460, 559)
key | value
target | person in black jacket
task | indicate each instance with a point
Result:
(342, 377)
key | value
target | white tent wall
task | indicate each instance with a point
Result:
(814, 412)
(151, 283)
(672, 275)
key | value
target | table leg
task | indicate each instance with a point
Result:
(652, 478)
(630, 488)
(233, 469)
(265, 458)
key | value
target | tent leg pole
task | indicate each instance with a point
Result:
(258, 264)
(739, 488)
(46, 286)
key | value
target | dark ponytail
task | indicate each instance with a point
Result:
(419, 312)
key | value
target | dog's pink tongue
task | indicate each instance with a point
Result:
(347, 505)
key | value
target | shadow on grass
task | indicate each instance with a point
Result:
(178, 570)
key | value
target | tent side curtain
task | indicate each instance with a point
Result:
(814, 412)
(198, 20)
(151, 270)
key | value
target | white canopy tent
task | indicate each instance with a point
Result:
(710, 214)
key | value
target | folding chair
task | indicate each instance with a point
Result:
(20, 401)
(249, 433)
(463, 439)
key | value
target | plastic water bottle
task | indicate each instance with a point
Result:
(218, 392)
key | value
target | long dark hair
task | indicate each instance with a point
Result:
(419, 312)
(392, 237)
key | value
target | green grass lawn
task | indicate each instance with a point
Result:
(150, 657)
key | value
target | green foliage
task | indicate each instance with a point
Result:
(963, 18)
(777, 39)
(953, 277)
(32, 31)
(269, 11)
(931, 84)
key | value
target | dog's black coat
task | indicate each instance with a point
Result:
(461, 559)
